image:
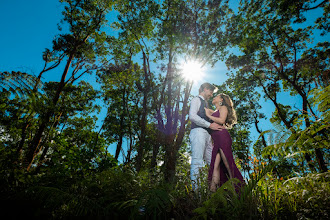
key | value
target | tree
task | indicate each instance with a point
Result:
(81, 47)
(164, 32)
(136, 22)
(122, 98)
(273, 54)
(192, 30)
(75, 100)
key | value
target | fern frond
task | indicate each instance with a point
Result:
(154, 203)
(17, 82)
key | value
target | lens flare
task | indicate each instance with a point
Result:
(192, 70)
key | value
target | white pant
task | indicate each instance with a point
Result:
(201, 148)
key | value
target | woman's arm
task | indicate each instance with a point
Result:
(223, 115)
(208, 111)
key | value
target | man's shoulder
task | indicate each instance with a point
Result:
(196, 99)
(195, 102)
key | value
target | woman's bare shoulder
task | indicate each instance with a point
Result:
(223, 108)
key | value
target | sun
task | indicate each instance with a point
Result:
(192, 70)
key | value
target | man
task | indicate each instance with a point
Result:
(201, 126)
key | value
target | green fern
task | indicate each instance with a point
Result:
(321, 99)
(17, 82)
(153, 204)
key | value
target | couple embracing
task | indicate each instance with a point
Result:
(210, 141)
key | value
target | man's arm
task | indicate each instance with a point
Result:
(194, 107)
(216, 126)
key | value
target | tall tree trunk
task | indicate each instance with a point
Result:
(121, 125)
(286, 123)
(45, 150)
(28, 118)
(176, 144)
(155, 149)
(129, 151)
(318, 152)
(320, 160)
(120, 140)
(143, 122)
(34, 147)
(299, 89)
(140, 150)
(183, 121)
(285, 77)
(170, 154)
(170, 158)
(23, 137)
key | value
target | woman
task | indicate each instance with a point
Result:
(222, 165)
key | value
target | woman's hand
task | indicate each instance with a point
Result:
(208, 112)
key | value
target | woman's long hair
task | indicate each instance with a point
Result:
(231, 117)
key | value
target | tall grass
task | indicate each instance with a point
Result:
(305, 197)
(120, 193)
(266, 197)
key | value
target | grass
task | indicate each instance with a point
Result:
(120, 193)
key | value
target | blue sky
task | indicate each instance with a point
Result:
(28, 27)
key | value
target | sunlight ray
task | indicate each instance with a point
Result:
(192, 70)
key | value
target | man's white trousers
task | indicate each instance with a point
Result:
(201, 149)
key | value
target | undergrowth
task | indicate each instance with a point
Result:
(121, 193)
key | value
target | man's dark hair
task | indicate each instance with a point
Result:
(206, 86)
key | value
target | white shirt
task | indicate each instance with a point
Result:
(195, 104)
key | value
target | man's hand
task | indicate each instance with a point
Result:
(216, 126)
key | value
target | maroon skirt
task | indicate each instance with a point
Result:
(222, 140)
